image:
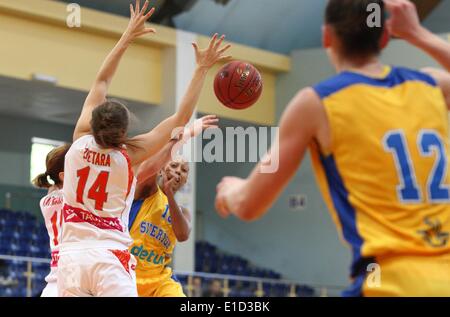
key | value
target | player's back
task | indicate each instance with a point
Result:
(98, 192)
(385, 178)
(51, 208)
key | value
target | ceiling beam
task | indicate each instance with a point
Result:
(425, 7)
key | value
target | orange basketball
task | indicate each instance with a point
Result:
(238, 85)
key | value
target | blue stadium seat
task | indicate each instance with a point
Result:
(19, 292)
(26, 235)
(247, 293)
(7, 292)
(305, 291)
(42, 266)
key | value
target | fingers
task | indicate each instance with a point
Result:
(394, 5)
(224, 49)
(213, 123)
(195, 47)
(210, 119)
(132, 10)
(213, 41)
(221, 206)
(170, 183)
(225, 58)
(137, 8)
(146, 31)
(144, 8)
(219, 42)
(211, 126)
(149, 14)
(209, 116)
(389, 3)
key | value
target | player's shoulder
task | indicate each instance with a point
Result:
(82, 141)
(334, 84)
(306, 100)
(403, 74)
(395, 76)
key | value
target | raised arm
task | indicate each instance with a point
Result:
(181, 217)
(404, 23)
(99, 90)
(154, 164)
(153, 141)
(248, 199)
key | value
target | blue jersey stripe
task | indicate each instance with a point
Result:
(397, 76)
(135, 207)
(175, 278)
(355, 290)
(345, 211)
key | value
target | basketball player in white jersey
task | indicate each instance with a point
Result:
(99, 180)
(51, 208)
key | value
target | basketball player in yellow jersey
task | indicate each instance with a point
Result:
(157, 223)
(378, 136)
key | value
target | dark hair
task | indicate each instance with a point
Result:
(349, 21)
(54, 165)
(109, 124)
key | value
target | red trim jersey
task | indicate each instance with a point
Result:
(98, 191)
(51, 208)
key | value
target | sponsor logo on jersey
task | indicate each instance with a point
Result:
(433, 235)
(148, 256)
(155, 232)
(72, 214)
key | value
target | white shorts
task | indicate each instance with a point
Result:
(51, 290)
(96, 272)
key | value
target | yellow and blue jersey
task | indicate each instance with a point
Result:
(385, 177)
(150, 228)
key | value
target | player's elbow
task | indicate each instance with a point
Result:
(183, 236)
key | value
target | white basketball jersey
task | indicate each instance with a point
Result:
(98, 192)
(51, 208)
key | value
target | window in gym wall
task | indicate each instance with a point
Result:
(39, 150)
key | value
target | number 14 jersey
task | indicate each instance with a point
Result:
(98, 192)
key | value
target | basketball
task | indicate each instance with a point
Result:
(238, 85)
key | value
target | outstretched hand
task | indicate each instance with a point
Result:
(214, 53)
(139, 16)
(201, 124)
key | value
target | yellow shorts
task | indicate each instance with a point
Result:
(161, 285)
(412, 276)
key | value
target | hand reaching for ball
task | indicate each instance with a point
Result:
(214, 53)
